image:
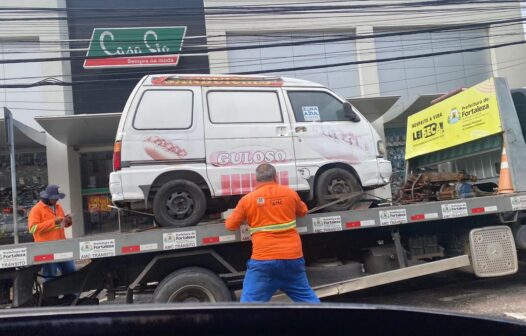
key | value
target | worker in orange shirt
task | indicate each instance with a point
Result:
(47, 222)
(277, 257)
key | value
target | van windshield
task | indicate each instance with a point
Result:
(316, 106)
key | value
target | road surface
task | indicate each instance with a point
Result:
(454, 290)
(457, 291)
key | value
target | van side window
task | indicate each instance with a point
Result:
(316, 106)
(164, 109)
(226, 107)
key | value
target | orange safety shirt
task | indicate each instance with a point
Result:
(42, 222)
(271, 212)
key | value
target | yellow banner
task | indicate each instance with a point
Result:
(467, 116)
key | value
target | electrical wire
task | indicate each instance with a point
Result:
(235, 63)
(54, 81)
(271, 45)
(384, 92)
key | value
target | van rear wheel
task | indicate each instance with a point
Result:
(334, 183)
(179, 203)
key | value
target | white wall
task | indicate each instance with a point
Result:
(29, 40)
(42, 39)
(505, 61)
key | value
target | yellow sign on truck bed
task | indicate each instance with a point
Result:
(467, 116)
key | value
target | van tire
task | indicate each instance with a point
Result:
(336, 181)
(191, 284)
(179, 203)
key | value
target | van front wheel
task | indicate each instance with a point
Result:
(179, 203)
(334, 183)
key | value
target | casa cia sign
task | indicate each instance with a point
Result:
(134, 47)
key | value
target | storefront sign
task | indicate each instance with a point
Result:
(467, 116)
(134, 47)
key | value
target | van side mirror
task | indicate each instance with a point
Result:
(349, 112)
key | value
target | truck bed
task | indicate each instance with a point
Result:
(206, 234)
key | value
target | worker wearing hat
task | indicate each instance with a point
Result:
(46, 223)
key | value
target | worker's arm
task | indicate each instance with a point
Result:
(37, 225)
(237, 217)
(301, 208)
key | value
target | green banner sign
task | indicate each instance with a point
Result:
(134, 47)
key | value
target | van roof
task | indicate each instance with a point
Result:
(226, 80)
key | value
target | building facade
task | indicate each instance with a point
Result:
(372, 53)
(24, 36)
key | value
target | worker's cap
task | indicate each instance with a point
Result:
(51, 192)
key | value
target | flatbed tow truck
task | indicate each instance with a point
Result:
(345, 251)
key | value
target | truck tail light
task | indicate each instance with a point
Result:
(117, 156)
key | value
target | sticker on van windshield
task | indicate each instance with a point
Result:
(311, 113)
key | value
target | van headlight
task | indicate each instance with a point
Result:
(381, 149)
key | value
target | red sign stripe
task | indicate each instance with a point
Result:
(353, 224)
(418, 217)
(44, 257)
(477, 210)
(236, 184)
(210, 240)
(130, 249)
(253, 181)
(133, 61)
(225, 185)
(245, 183)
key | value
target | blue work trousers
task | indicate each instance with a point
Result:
(50, 271)
(264, 277)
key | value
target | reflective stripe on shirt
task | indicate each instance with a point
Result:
(274, 227)
(33, 228)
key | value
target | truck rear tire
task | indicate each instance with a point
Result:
(179, 203)
(332, 182)
(191, 284)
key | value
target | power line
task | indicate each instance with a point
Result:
(307, 37)
(361, 13)
(54, 81)
(310, 73)
(387, 59)
(471, 39)
(385, 92)
(264, 8)
(295, 43)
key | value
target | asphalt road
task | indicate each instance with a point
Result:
(454, 290)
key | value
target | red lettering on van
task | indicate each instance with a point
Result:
(247, 157)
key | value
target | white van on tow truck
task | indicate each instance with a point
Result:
(189, 144)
